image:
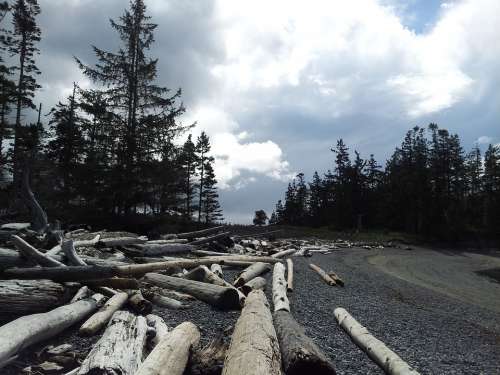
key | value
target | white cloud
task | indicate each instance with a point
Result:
(484, 140)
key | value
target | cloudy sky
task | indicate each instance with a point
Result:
(276, 82)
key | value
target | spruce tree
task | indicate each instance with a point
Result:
(202, 158)
(188, 163)
(212, 211)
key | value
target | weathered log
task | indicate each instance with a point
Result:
(299, 353)
(199, 233)
(167, 302)
(11, 258)
(138, 303)
(171, 355)
(176, 295)
(31, 253)
(82, 293)
(249, 273)
(210, 359)
(218, 296)
(102, 317)
(254, 284)
(69, 251)
(31, 329)
(284, 253)
(160, 327)
(120, 241)
(114, 282)
(280, 300)
(15, 226)
(289, 274)
(254, 348)
(204, 253)
(165, 249)
(80, 273)
(209, 239)
(336, 278)
(39, 221)
(327, 279)
(389, 361)
(79, 243)
(22, 297)
(238, 263)
(120, 349)
(261, 234)
(217, 269)
(163, 242)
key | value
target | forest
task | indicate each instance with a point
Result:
(430, 187)
(113, 150)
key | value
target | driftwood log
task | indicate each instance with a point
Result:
(210, 359)
(69, 250)
(102, 317)
(254, 284)
(336, 278)
(289, 275)
(389, 361)
(82, 293)
(164, 249)
(31, 329)
(79, 243)
(284, 253)
(326, 278)
(280, 299)
(254, 348)
(171, 355)
(249, 273)
(119, 350)
(299, 353)
(11, 258)
(199, 233)
(22, 297)
(80, 273)
(138, 303)
(31, 253)
(119, 241)
(217, 269)
(167, 302)
(209, 239)
(217, 296)
(160, 327)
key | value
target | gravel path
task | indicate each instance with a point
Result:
(436, 333)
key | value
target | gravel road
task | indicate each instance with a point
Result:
(428, 306)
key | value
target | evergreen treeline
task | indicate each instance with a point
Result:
(112, 149)
(429, 187)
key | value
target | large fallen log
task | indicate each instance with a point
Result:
(254, 348)
(114, 282)
(79, 243)
(102, 317)
(326, 278)
(119, 241)
(280, 300)
(284, 253)
(31, 329)
(249, 273)
(120, 349)
(254, 284)
(389, 361)
(165, 249)
(22, 297)
(262, 234)
(31, 253)
(199, 233)
(138, 303)
(216, 237)
(11, 258)
(299, 353)
(69, 250)
(171, 355)
(336, 278)
(210, 359)
(218, 296)
(289, 274)
(167, 302)
(204, 253)
(160, 327)
(80, 273)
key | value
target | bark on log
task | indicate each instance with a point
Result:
(389, 361)
(218, 296)
(299, 353)
(216, 237)
(280, 300)
(326, 278)
(199, 233)
(120, 349)
(168, 302)
(171, 355)
(254, 348)
(160, 327)
(30, 329)
(31, 253)
(210, 359)
(22, 297)
(249, 273)
(284, 253)
(102, 317)
(289, 274)
(80, 273)
(140, 304)
(217, 269)
(166, 249)
(254, 284)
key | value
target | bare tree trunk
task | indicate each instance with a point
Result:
(254, 348)
(389, 361)
(31, 329)
(120, 349)
(300, 354)
(171, 355)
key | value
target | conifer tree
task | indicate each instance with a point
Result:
(212, 211)
(188, 162)
(202, 150)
